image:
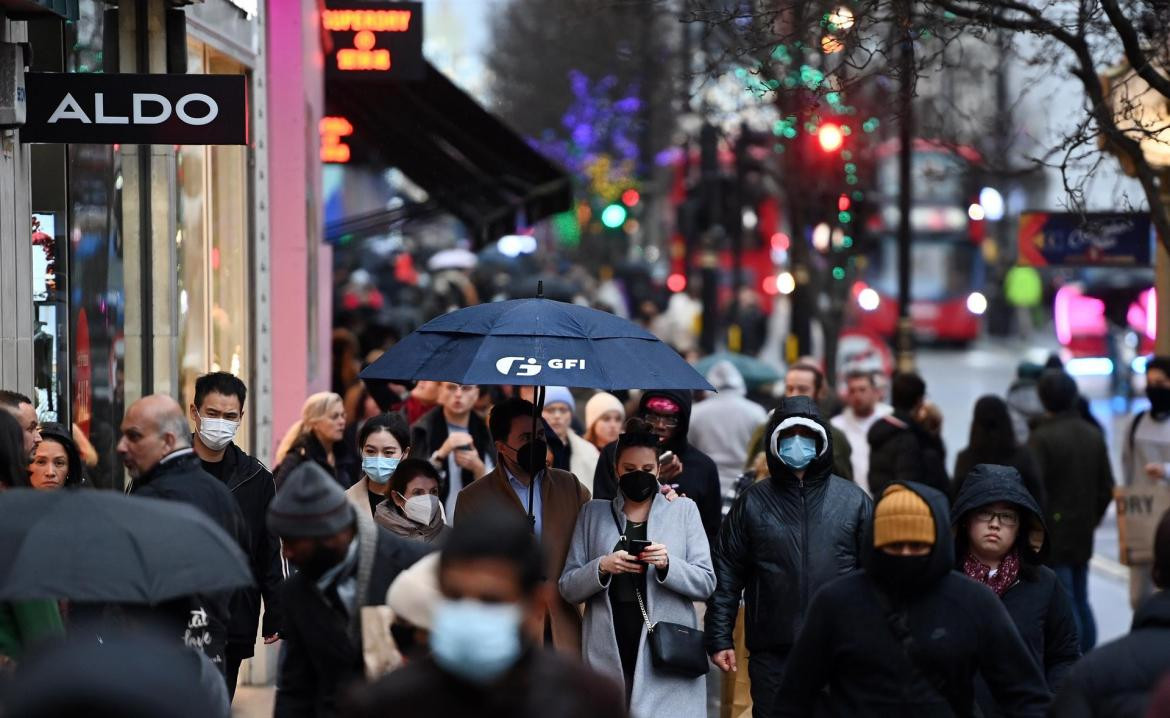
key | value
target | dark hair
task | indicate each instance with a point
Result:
(59, 434)
(504, 413)
(410, 469)
(637, 433)
(1058, 391)
(860, 374)
(220, 382)
(13, 399)
(1161, 569)
(993, 437)
(13, 457)
(906, 390)
(496, 533)
(818, 375)
(394, 423)
(1161, 363)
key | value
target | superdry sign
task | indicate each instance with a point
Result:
(136, 109)
(374, 40)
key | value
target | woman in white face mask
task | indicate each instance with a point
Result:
(382, 442)
(414, 510)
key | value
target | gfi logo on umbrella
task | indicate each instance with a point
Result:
(530, 367)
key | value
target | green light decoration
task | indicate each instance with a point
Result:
(790, 132)
(833, 98)
(846, 130)
(838, 272)
(568, 229)
(842, 217)
(851, 180)
(850, 168)
(846, 241)
(858, 195)
(870, 125)
(846, 155)
(613, 216)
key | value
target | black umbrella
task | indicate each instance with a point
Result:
(105, 547)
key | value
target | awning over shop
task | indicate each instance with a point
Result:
(465, 158)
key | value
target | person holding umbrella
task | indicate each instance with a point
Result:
(552, 498)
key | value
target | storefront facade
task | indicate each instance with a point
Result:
(152, 264)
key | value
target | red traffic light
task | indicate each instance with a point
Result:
(631, 197)
(830, 137)
(844, 203)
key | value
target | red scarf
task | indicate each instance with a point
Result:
(1004, 578)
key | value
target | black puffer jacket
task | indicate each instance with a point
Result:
(783, 539)
(901, 450)
(959, 628)
(1115, 681)
(699, 480)
(1037, 603)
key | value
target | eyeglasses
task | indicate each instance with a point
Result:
(1006, 518)
(662, 419)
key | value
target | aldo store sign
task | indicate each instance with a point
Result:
(136, 109)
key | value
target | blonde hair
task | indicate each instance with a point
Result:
(316, 407)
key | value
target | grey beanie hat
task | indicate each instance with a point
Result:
(310, 504)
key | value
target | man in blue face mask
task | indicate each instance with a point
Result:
(486, 655)
(785, 537)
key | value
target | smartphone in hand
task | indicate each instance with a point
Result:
(636, 547)
(666, 458)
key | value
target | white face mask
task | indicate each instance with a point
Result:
(422, 509)
(216, 434)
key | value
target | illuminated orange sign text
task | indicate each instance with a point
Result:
(363, 56)
(332, 129)
(373, 20)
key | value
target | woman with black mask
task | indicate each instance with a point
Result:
(993, 441)
(635, 561)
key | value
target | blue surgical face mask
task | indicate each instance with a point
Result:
(797, 451)
(379, 468)
(476, 641)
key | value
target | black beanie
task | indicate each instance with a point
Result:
(309, 504)
(1058, 391)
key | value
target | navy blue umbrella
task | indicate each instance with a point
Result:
(536, 342)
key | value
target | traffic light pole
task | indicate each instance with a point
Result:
(904, 343)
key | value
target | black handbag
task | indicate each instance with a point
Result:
(674, 648)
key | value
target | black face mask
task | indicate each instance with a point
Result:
(321, 560)
(637, 486)
(532, 456)
(1159, 397)
(901, 574)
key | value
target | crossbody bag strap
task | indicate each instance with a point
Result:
(898, 623)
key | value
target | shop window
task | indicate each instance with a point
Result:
(212, 244)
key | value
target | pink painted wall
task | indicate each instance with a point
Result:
(295, 104)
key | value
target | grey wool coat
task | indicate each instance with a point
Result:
(689, 578)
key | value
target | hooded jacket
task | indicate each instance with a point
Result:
(783, 539)
(722, 425)
(1037, 602)
(1116, 680)
(699, 479)
(901, 450)
(958, 626)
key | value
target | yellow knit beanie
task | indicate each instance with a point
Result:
(902, 516)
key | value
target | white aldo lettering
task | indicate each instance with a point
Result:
(181, 109)
(144, 119)
(99, 112)
(68, 110)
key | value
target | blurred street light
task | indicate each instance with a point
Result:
(992, 202)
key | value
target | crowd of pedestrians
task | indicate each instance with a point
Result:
(451, 549)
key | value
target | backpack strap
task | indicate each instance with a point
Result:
(1133, 427)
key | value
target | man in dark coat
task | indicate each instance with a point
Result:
(217, 411)
(455, 440)
(1073, 460)
(486, 638)
(344, 562)
(692, 473)
(907, 635)
(900, 447)
(785, 537)
(1034, 598)
(155, 448)
(1118, 678)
